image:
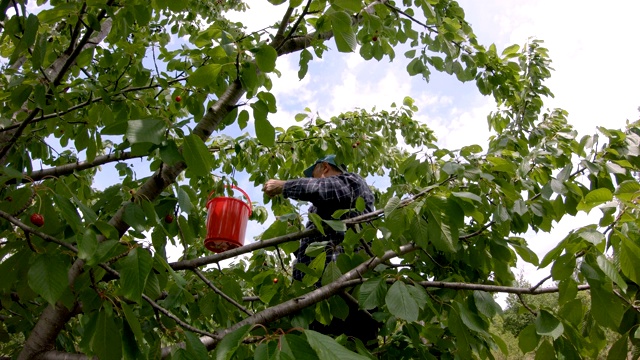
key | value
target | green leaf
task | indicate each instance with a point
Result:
(618, 350)
(372, 293)
(266, 58)
(486, 304)
(87, 244)
(343, 32)
(204, 75)
(331, 273)
(595, 198)
(471, 319)
(353, 6)
(195, 347)
(177, 5)
(68, 211)
(628, 190)
(545, 351)
(360, 204)
(134, 216)
(184, 200)
(612, 273)
(462, 335)
(328, 349)
(400, 302)
(243, 119)
(297, 347)
(47, 276)
(511, 49)
(336, 225)
(602, 298)
(20, 94)
(547, 324)
(526, 254)
(147, 130)
(132, 319)
(629, 259)
(106, 342)
(392, 204)
(528, 339)
(197, 156)
(563, 267)
(134, 270)
(264, 130)
(317, 221)
(467, 195)
(231, 342)
(439, 231)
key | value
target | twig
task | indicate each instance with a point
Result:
(395, 9)
(533, 288)
(18, 132)
(29, 229)
(159, 308)
(219, 292)
(89, 102)
(478, 232)
(635, 307)
(305, 11)
(525, 305)
(284, 268)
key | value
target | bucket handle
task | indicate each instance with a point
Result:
(243, 193)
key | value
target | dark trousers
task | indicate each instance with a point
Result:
(358, 324)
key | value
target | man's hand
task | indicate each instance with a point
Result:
(273, 187)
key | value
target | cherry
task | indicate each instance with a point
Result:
(374, 38)
(275, 280)
(178, 98)
(169, 218)
(37, 219)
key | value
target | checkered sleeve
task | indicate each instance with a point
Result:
(336, 192)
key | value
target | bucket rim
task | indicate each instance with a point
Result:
(247, 203)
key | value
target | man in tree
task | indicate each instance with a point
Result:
(329, 187)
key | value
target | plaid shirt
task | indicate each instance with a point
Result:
(328, 195)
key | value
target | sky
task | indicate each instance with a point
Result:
(594, 54)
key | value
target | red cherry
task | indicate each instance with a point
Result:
(169, 218)
(178, 98)
(275, 280)
(374, 38)
(37, 219)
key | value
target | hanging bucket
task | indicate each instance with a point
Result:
(226, 222)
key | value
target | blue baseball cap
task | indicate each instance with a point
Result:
(331, 159)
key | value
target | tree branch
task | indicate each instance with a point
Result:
(219, 292)
(291, 306)
(67, 169)
(33, 231)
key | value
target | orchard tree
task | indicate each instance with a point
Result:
(84, 270)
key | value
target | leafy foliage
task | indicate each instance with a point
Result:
(95, 82)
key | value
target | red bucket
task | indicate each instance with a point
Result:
(227, 222)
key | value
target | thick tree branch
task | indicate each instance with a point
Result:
(493, 288)
(291, 306)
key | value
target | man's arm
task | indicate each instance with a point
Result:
(273, 187)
